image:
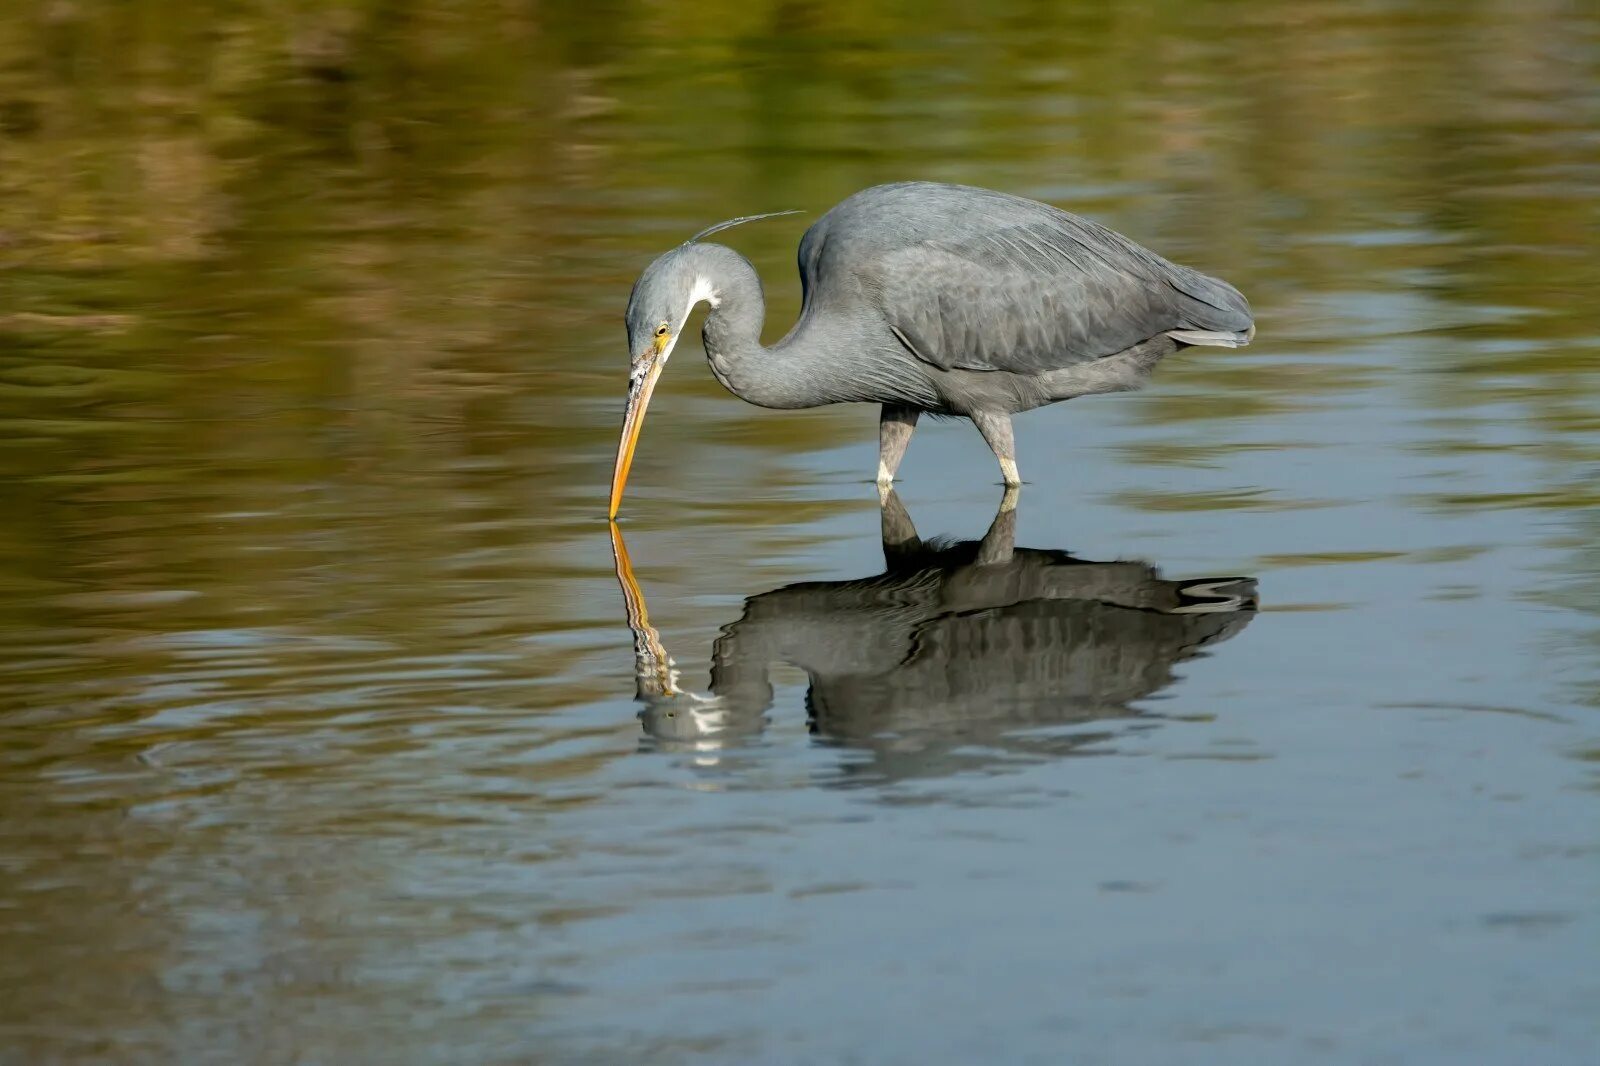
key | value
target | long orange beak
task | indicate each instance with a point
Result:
(639, 392)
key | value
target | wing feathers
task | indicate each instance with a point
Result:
(1046, 294)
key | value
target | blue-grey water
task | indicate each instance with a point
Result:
(323, 737)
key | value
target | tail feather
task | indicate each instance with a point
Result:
(1215, 338)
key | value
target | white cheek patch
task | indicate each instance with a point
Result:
(702, 291)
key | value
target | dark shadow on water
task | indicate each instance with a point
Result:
(959, 656)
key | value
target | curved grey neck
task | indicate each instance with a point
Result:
(732, 332)
(796, 371)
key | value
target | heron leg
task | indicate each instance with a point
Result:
(996, 429)
(895, 425)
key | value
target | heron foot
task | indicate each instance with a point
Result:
(1008, 471)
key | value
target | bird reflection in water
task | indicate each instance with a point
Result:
(958, 656)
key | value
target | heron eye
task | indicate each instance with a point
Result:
(661, 331)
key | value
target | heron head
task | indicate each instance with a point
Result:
(659, 308)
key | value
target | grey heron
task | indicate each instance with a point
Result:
(926, 297)
(954, 648)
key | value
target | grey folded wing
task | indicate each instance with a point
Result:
(1047, 294)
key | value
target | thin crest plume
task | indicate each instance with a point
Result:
(720, 226)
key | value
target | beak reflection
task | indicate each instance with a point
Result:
(686, 720)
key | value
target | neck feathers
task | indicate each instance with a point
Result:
(780, 376)
(726, 280)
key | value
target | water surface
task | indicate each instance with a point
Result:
(1266, 727)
